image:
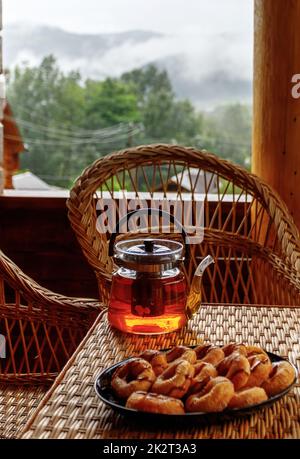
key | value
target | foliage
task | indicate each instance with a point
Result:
(163, 117)
(67, 123)
(228, 133)
(108, 103)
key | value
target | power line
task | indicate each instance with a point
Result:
(224, 142)
(65, 137)
(78, 133)
(71, 142)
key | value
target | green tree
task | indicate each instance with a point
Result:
(148, 80)
(67, 123)
(47, 104)
(227, 132)
(109, 102)
(61, 118)
(165, 119)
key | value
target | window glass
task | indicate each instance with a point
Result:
(88, 78)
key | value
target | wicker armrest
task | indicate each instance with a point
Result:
(39, 331)
(37, 295)
(41, 328)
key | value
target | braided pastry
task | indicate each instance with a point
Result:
(203, 372)
(234, 347)
(137, 374)
(175, 380)
(253, 350)
(236, 368)
(181, 353)
(154, 403)
(260, 367)
(214, 397)
(281, 377)
(157, 360)
(209, 353)
(248, 397)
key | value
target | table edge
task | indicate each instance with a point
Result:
(61, 375)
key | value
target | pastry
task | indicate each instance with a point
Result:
(136, 374)
(234, 347)
(236, 368)
(214, 397)
(203, 372)
(281, 376)
(182, 353)
(175, 380)
(247, 397)
(260, 367)
(253, 350)
(155, 403)
(157, 359)
(209, 353)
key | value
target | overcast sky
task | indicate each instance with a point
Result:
(171, 16)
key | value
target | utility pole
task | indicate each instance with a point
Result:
(129, 138)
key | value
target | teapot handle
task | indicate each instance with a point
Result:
(148, 211)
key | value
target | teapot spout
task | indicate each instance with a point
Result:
(193, 301)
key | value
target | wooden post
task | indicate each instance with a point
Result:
(1, 107)
(276, 121)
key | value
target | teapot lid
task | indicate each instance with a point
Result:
(148, 254)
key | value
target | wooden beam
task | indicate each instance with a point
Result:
(276, 123)
(1, 109)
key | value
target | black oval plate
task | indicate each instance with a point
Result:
(105, 393)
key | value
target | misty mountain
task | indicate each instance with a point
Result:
(205, 71)
(209, 90)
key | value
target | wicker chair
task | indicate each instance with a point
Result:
(39, 332)
(249, 233)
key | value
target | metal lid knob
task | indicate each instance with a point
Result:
(149, 245)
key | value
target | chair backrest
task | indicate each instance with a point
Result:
(247, 227)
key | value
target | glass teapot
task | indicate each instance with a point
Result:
(149, 290)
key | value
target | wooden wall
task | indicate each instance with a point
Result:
(35, 233)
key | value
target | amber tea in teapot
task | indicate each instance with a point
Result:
(149, 291)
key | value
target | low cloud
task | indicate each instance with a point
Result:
(192, 58)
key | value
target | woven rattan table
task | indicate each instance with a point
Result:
(71, 408)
